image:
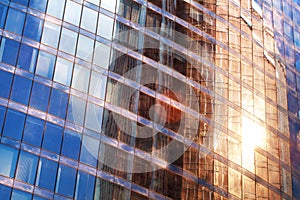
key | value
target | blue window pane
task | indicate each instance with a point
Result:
(76, 110)
(18, 194)
(5, 83)
(71, 144)
(85, 186)
(89, 151)
(9, 157)
(10, 129)
(3, 11)
(33, 28)
(33, 131)
(66, 181)
(52, 138)
(15, 21)
(27, 58)
(63, 71)
(9, 51)
(46, 174)
(45, 65)
(2, 113)
(40, 96)
(5, 192)
(58, 103)
(23, 2)
(38, 5)
(27, 166)
(21, 90)
(38, 198)
(56, 8)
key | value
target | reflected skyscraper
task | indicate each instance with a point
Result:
(157, 99)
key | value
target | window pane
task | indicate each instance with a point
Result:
(9, 51)
(56, 8)
(52, 138)
(101, 55)
(39, 96)
(85, 48)
(71, 144)
(58, 103)
(109, 5)
(27, 166)
(23, 2)
(18, 194)
(105, 26)
(33, 28)
(98, 85)
(84, 186)
(5, 192)
(66, 181)
(15, 21)
(80, 78)
(38, 4)
(33, 131)
(2, 113)
(93, 118)
(45, 65)
(5, 83)
(76, 110)
(9, 157)
(10, 128)
(68, 41)
(27, 58)
(46, 174)
(3, 11)
(96, 2)
(38, 198)
(89, 151)
(63, 71)
(21, 90)
(89, 19)
(51, 34)
(72, 13)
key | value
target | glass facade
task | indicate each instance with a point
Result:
(149, 99)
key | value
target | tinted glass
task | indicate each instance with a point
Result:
(72, 12)
(85, 48)
(81, 77)
(63, 71)
(68, 41)
(21, 90)
(56, 8)
(89, 151)
(27, 166)
(76, 110)
(9, 157)
(84, 186)
(40, 96)
(105, 26)
(3, 11)
(58, 103)
(51, 34)
(18, 194)
(15, 21)
(66, 181)
(101, 55)
(89, 19)
(45, 65)
(71, 144)
(9, 51)
(33, 131)
(52, 138)
(27, 57)
(10, 129)
(5, 83)
(38, 5)
(5, 192)
(93, 117)
(46, 174)
(2, 113)
(23, 2)
(98, 85)
(33, 28)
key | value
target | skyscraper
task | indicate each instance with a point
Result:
(157, 99)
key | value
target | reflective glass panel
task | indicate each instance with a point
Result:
(39, 96)
(63, 71)
(84, 186)
(93, 118)
(89, 151)
(85, 48)
(71, 144)
(56, 8)
(105, 26)
(15, 21)
(89, 19)
(96, 2)
(38, 5)
(72, 12)
(98, 85)
(23, 2)
(27, 166)
(9, 51)
(66, 181)
(45, 64)
(109, 5)
(27, 58)
(10, 129)
(101, 55)
(9, 157)
(51, 34)
(81, 77)
(68, 41)
(46, 174)
(76, 110)
(52, 138)
(21, 90)
(33, 28)
(3, 11)
(5, 192)
(33, 131)
(58, 103)
(2, 113)
(5, 83)
(18, 194)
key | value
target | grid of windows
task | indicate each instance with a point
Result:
(58, 71)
